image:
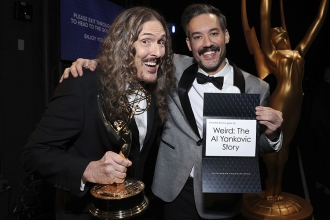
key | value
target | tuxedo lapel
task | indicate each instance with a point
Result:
(239, 81)
(184, 86)
(150, 120)
(135, 131)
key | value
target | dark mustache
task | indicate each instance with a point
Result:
(205, 49)
(156, 60)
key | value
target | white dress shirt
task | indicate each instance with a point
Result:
(141, 120)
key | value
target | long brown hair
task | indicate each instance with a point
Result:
(116, 59)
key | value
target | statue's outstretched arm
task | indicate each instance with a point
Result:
(314, 29)
(283, 23)
(253, 44)
(265, 28)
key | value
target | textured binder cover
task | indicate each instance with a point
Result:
(228, 174)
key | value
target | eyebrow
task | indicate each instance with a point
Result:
(147, 34)
(212, 29)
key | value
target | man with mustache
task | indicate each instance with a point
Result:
(71, 148)
(177, 176)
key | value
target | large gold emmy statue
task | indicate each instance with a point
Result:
(275, 56)
(124, 200)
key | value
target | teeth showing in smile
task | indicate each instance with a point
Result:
(209, 53)
(150, 63)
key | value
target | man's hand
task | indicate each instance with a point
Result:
(110, 169)
(272, 119)
(76, 69)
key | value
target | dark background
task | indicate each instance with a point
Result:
(29, 77)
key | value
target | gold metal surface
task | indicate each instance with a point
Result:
(122, 214)
(134, 94)
(275, 56)
(118, 191)
(290, 207)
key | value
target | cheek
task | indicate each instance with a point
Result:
(137, 62)
(139, 66)
(138, 58)
(163, 50)
(195, 48)
(140, 53)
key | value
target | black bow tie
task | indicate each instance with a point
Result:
(217, 81)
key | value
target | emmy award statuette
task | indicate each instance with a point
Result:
(124, 200)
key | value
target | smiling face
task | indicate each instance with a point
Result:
(150, 48)
(207, 41)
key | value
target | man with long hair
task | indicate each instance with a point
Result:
(71, 147)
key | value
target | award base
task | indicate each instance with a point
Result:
(256, 207)
(119, 201)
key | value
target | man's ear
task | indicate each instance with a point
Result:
(227, 37)
(188, 43)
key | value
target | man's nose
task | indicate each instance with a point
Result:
(207, 42)
(156, 50)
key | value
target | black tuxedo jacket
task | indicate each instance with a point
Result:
(71, 134)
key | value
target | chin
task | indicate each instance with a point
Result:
(150, 81)
(150, 78)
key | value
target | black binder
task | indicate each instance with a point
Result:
(236, 172)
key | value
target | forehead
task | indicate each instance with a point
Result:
(153, 27)
(203, 22)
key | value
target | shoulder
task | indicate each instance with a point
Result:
(181, 63)
(89, 78)
(89, 81)
(252, 80)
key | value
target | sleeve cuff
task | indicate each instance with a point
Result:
(275, 144)
(82, 185)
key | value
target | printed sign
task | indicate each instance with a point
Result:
(230, 137)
